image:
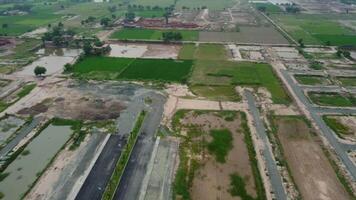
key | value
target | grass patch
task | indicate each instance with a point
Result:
(270, 8)
(340, 129)
(26, 90)
(187, 52)
(216, 93)
(347, 81)
(332, 99)
(210, 52)
(238, 187)
(151, 34)
(310, 80)
(221, 144)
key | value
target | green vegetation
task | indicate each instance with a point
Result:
(23, 50)
(187, 52)
(238, 187)
(317, 29)
(150, 34)
(221, 144)
(332, 99)
(124, 158)
(339, 128)
(210, 52)
(268, 8)
(26, 90)
(158, 69)
(3, 176)
(347, 81)
(310, 80)
(216, 93)
(25, 152)
(107, 68)
(211, 4)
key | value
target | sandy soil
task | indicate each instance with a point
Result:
(212, 179)
(310, 168)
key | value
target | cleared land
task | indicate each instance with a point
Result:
(332, 99)
(150, 34)
(309, 167)
(343, 126)
(217, 158)
(317, 29)
(311, 80)
(108, 68)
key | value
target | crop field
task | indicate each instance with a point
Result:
(332, 99)
(109, 68)
(239, 74)
(187, 52)
(270, 8)
(161, 3)
(216, 93)
(311, 80)
(316, 29)
(150, 34)
(308, 165)
(347, 81)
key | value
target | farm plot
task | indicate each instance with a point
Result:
(217, 158)
(347, 81)
(312, 80)
(316, 29)
(8, 127)
(309, 167)
(332, 99)
(343, 126)
(150, 34)
(246, 34)
(240, 74)
(20, 175)
(211, 4)
(106, 68)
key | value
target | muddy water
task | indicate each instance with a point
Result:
(24, 170)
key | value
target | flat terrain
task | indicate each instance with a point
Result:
(150, 34)
(347, 81)
(343, 126)
(309, 166)
(215, 157)
(332, 99)
(109, 68)
(311, 80)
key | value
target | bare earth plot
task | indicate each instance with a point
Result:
(311, 170)
(207, 175)
(263, 35)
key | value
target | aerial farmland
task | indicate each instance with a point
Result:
(177, 99)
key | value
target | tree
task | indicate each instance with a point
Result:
(5, 25)
(39, 70)
(68, 67)
(130, 16)
(87, 48)
(301, 43)
(105, 21)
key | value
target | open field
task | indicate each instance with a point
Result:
(150, 34)
(240, 74)
(211, 4)
(309, 167)
(216, 93)
(187, 52)
(343, 126)
(107, 68)
(347, 81)
(332, 99)
(246, 34)
(216, 157)
(317, 29)
(311, 80)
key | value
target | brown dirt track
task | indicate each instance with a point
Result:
(310, 168)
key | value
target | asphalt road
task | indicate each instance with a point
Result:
(315, 113)
(95, 184)
(276, 179)
(131, 180)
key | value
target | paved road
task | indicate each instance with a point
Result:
(276, 179)
(26, 129)
(95, 184)
(315, 114)
(131, 181)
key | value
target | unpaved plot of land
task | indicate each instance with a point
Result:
(309, 166)
(212, 178)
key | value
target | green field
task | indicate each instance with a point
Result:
(332, 99)
(311, 80)
(270, 8)
(339, 128)
(216, 93)
(150, 34)
(107, 68)
(317, 29)
(211, 4)
(187, 52)
(347, 81)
